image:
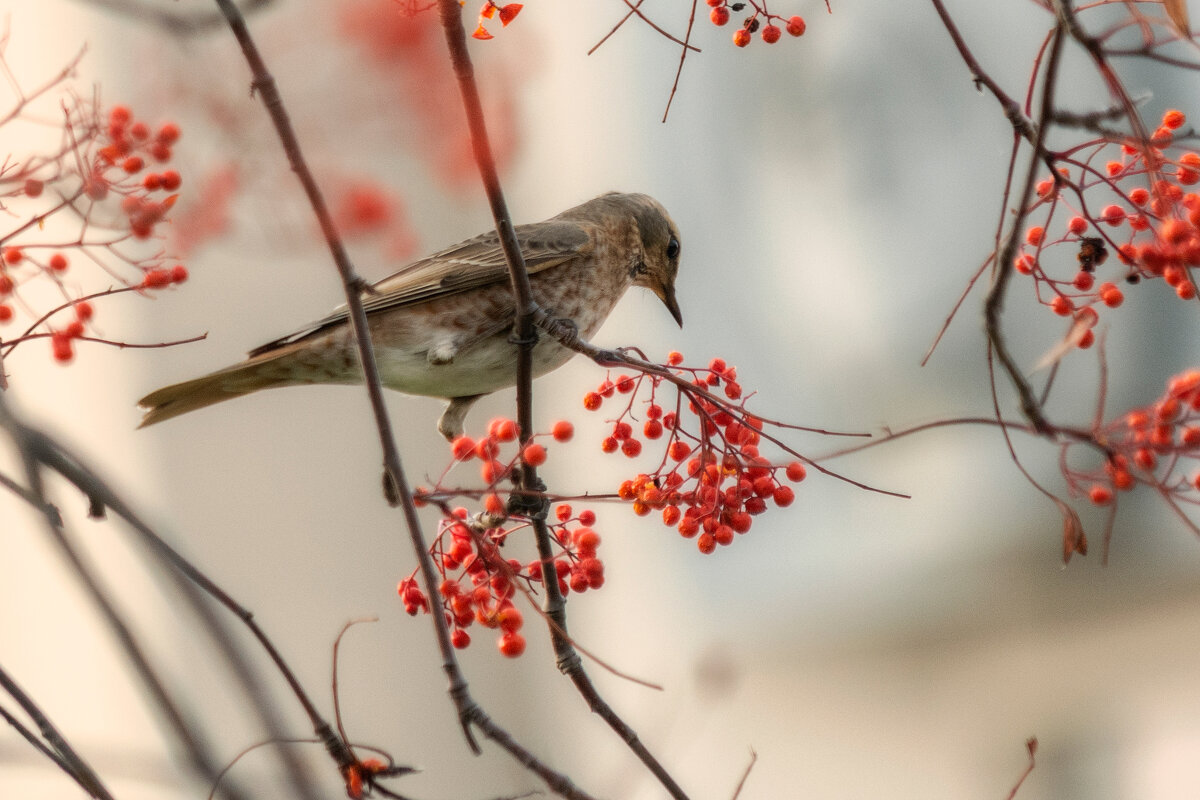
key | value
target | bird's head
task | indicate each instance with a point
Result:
(659, 263)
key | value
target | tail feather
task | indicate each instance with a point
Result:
(226, 384)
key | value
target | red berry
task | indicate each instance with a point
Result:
(741, 38)
(511, 644)
(592, 401)
(33, 187)
(460, 638)
(652, 429)
(170, 180)
(83, 310)
(796, 26)
(1100, 495)
(719, 15)
(534, 455)
(6, 312)
(771, 33)
(706, 542)
(631, 447)
(563, 431)
(796, 472)
(60, 345)
(505, 430)
(13, 255)
(179, 273)
(784, 496)
(58, 262)
(463, 448)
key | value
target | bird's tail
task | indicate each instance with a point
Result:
(225, 384)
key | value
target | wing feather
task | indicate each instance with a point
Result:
(465, 266)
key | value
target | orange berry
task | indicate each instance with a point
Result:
(719, 16)
(741, 38)
(631, 447)
(562, 431)
(511, 644)
(1061, 305)
(674, 358)
(1114, 215)
(1100, 495)
(505, 430)
(60, 345)
(1077, 225)
(1139, 196)
(679, 450)
(592, 401)
(652, 429)
(133, 164)
(463, 448)
(706, 543)
(1174, 119)
(1110, 295)
(1035, 235)
(534, 455)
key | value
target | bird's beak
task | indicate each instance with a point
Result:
(667, 295)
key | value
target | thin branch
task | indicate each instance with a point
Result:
(59, 750)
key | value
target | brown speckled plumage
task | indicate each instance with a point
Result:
(441, 324)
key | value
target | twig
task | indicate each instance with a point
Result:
(59, 750)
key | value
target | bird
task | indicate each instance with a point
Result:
(441, 326)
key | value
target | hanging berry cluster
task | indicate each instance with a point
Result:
(768, 26)
(478, 583)
(711, 480)
(1158, 446)
(108, 188)
(1126, 198)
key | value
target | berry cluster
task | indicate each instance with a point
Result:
(1158, 445)
(761, 21)
(711, 480)
(1148, 220)
(507, 14)
(102, 184)
(478, 583)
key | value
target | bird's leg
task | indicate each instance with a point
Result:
(450, 425)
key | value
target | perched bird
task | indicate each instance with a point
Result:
(441, 325)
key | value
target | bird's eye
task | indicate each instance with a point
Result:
(673, 248)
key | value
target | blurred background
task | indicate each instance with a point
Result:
(834, 195)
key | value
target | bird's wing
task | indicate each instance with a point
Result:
(468, 265)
